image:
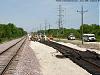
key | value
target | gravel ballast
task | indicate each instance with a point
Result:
(28, 63)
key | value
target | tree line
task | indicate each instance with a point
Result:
(64, 32)
(10, 31)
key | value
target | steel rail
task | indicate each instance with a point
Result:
(11, 46)
(8, 63)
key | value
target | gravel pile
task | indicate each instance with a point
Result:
(53, 63)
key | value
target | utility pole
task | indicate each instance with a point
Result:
(40, 29)
(49, 26)
(45, 27)
(82, 13)
(60, 20)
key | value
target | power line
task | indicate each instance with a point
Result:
(82, 13)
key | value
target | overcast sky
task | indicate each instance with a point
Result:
(29, 14)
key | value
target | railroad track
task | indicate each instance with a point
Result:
(88, 60)
(9, 55)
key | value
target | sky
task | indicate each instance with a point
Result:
(30, 14)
